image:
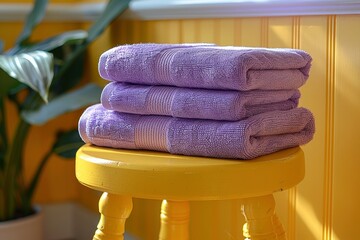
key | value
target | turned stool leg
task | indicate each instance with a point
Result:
(114, 211)
(174, 220)
(262, 223)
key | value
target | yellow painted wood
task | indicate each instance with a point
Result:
(108, 39)
(206, 31)
(156, 175)
(346, 152)
(165, 32)
(225, 33)
(203, 215)
(122, 171)
(280, 35)
(262, 223)
(249, 32)
(310, 197)
(114, 209)
(144, 220)
(9, 33)
(135, 25)
(175, 217)
(280, 32)
(329, 129)
(188, 31)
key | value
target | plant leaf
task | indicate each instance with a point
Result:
(77, 99)
(33, 69)
(67, 144)
(3, 135)
(112, 10)
(34, 17)
(70, 78)
(70, 37)
(7, 83)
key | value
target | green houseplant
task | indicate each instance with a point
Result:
(43, 81)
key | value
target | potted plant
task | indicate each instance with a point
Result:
(42, 80)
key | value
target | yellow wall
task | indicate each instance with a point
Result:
(326, 204)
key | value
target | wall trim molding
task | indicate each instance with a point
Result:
(82, 12)
(183, 9)
(175, 9)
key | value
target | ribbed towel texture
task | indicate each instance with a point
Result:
(211, 67)
(200, 100)
(195, 103)
(252, 137)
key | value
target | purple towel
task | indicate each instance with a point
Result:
(195, 103)
(255, 136)
(210, 67)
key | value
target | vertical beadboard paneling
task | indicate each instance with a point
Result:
(152, 214)
(164, 31)
(346, 178)
(280, 35)
(203, 216)
(188, 31)
(310, 195)
(136, 26)
(329, 129)
(146, 32)
(144, 220)
(9, 32)
(292, 193)
(205, 31)
(280, 32)
(122, 33)
(264, 32)
(133, 224)
(237, 32)
(250, 32)
(225, 31)
(103, 43)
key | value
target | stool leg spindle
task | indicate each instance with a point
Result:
(262, 223)
(174, 220)
(114, 209)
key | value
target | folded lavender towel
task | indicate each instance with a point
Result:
(206, 66)
(255, 136)
(195, 103)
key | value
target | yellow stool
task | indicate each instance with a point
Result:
(123, 174)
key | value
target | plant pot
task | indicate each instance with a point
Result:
(29, 228)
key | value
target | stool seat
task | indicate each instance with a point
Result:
(157, 175)
(178, 178)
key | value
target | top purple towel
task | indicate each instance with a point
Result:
(206, 66)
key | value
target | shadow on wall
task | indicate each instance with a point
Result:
(308, 217)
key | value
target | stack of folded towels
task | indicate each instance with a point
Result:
(200, 100)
